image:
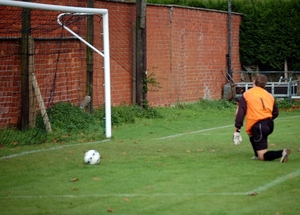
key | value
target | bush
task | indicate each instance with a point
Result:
(127, 114)
(66, 117)
(284, 104)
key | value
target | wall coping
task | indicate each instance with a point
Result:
(174, 6)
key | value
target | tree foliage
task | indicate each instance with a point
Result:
(269, 33)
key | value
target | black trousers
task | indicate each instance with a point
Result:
(260, 132)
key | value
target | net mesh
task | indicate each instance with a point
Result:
(32, 42)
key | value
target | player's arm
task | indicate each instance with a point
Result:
(240, 114)
(239, 118)
(275, 111)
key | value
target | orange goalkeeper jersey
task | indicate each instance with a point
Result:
(256, 104)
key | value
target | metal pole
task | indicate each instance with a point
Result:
(106, 54)
(90, 58)
(229, 71)
(71, 9)
(140, 51)
(107, 76)
(26, 32)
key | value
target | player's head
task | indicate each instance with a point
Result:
(260, 81)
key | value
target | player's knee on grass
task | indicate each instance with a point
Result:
(261, 154)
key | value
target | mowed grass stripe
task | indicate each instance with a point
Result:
(160, 138)
(202, 172)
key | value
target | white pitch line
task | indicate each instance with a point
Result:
(193, 132)
(209, 129)
(160, 138)
(50, 149)
(124, 195)
(288, 117)
(276, 181)
(257, 190)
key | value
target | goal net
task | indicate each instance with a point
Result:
(51, 54)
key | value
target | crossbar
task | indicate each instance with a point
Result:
(104, 12)
(53, 7)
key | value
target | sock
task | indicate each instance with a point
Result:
(252, 143)
(272, 155)
(254, 150)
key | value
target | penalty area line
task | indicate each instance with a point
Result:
(211, 129)
(124, 195)
(160, 138)
(256, 190)
(276, 182)
(50, 149)
(193, 132)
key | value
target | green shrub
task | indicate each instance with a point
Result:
(284, 104)
(205, 104)
(70, 123)
(64, 116)
(127, 114)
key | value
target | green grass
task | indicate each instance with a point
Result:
(146, 169)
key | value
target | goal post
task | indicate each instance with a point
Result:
(105, 54)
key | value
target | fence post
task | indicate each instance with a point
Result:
(140, 51)
(24, 123)
(90, 58)
(32, 115)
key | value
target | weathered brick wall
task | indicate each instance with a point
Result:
(186, 52)
(9, 85)
(189, 47)
(121, 36)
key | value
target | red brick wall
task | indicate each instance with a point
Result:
(186, 52)
(189, 47)
(10, 85)
(121, 34)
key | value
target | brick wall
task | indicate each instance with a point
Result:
(186, 55)
(188, 47)
(186, 52)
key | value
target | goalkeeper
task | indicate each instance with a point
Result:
(259, 109)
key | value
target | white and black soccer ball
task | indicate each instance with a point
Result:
(92, 157)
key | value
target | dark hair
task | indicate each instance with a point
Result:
(261, 80)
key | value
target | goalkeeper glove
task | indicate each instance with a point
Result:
(237, 138)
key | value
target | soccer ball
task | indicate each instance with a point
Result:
(92, 157)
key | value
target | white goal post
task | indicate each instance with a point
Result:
(105, 54)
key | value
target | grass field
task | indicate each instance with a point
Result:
(184, 163)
